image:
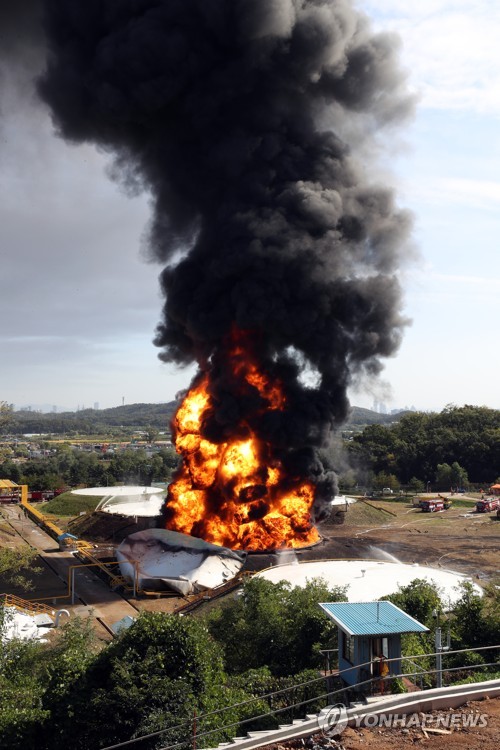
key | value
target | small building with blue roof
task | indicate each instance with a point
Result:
(369, 639)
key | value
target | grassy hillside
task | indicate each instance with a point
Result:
(140, 416)
(95, 422)
(361, 514)
(69, 504)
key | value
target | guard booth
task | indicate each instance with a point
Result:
(369, 634)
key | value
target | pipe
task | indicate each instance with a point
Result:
(58, 615)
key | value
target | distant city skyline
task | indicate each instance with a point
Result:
(80, 304)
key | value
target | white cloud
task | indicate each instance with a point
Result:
(450, 48)
(482, 282)
(472, 193)
(483, 194)
(388, 8)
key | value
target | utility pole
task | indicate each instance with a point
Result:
(439, 658)
(439, 648)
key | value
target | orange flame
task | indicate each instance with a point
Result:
(235, 493)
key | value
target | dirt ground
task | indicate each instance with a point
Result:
(458, 737)
(458, 539)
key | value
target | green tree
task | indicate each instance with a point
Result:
(374, 447)
(21, 710)
(21, 451)
(418, 443)
(284, 690)
(6, 416)
(385, 480)
(155, 674)
(476, 617)
(275, 625)
(152, 434)
(16, 566)
(33, 675)
(72, 651)
(416, 485)
(444, 479)
(419, 599)
(459, 476)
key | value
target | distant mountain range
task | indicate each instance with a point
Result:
(142, 415)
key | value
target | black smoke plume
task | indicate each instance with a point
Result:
(20, 28)
(21, 48)
(243, 119)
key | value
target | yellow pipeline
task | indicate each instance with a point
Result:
(38, 517)
(84, 548)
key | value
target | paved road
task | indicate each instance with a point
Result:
(89, 590)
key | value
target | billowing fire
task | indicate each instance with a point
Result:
(236, 493)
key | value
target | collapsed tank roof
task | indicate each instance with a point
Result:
(159, 558)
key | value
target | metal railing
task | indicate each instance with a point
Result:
(415, 670)
(25, 606)
(193, 735)
(327, 654)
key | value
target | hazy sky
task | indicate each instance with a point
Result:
(79, 303)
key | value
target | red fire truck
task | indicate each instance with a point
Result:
(40, 495)
(10, 492)
(487, 504)
(43, 495)
(12, 498)
(434, 504)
